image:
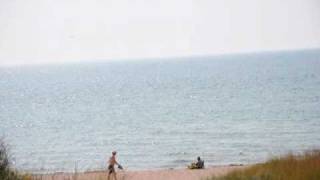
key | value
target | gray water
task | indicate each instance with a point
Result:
(161, 113)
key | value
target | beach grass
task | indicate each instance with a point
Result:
(304, 166)
(6, 171)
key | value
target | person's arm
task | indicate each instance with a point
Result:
(198, 164)
(119, 165)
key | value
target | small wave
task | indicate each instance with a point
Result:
(180, 161)
(177, 153)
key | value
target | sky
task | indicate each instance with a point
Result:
(62, 31)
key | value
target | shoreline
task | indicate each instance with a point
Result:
(61, 171)
(156, 174)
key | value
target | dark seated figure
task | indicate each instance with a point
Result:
(198, 165)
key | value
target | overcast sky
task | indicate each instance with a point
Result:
(45, 31)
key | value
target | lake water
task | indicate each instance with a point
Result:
(161, 113)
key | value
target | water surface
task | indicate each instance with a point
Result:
(161, 113)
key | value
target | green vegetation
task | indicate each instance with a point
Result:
(290, 167)
(6, 172)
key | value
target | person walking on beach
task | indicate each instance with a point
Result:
(112, 162)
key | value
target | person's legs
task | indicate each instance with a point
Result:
(115, 175)
(109, 173)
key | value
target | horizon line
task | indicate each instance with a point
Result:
(179, 58)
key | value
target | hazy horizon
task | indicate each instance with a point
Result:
(42, 32)
(221, 56)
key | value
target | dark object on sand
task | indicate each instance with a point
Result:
(198, 165)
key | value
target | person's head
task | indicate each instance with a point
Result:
(198, 158)
(114, 153)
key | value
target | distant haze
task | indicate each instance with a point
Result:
(47, 31)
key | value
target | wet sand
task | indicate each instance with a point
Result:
(166, 174)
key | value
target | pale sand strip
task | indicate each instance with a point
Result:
(174, 174)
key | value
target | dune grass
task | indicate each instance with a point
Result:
(305, 166)
(6, 172)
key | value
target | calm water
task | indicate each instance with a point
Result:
(161, 114)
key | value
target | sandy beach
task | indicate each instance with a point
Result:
(167, 174)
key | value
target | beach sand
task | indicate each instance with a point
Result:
(166, 174)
